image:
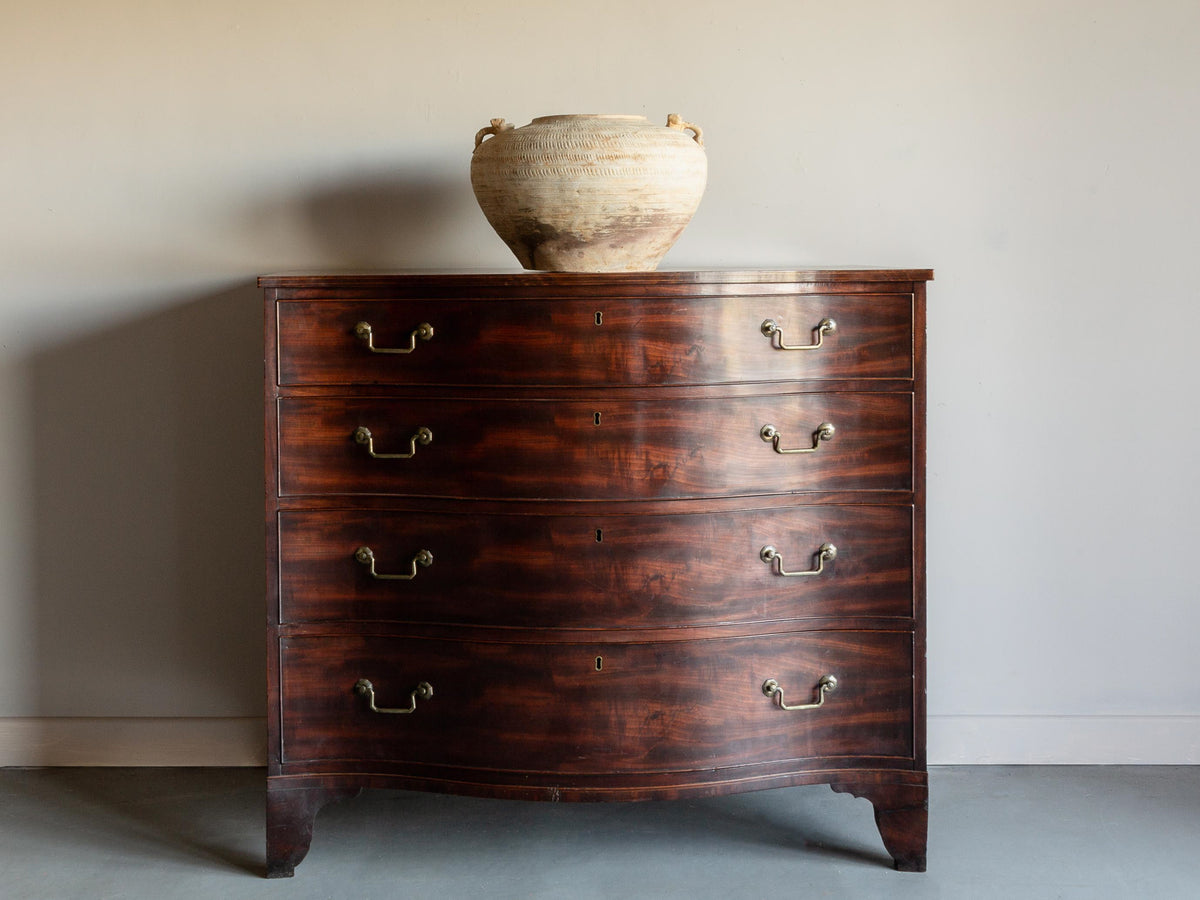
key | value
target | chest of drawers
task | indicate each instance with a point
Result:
(596, 537)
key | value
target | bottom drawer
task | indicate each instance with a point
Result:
(596, 708)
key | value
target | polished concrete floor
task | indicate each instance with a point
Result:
(1010, 832)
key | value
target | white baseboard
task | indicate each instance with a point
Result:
(133, 742)
(1064, 740)
(953, 740)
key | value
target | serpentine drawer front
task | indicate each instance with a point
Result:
(596, 537)
(605, 341)
(625, 571)
(667, 706)
(596, 450)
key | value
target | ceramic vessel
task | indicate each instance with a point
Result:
(589, 193)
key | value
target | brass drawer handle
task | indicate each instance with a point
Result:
(771, 434)
(772, 330)
(826, 553)
(366, 334)
(362, 435)
(827, 683)
(366, 556)
(364, 688)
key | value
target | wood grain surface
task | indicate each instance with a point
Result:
(564, 449)
(598, 708)
(598, 620)
(602, 341)
(594, 571)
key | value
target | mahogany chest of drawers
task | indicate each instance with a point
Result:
(581, 537)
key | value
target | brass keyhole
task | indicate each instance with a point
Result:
(599, 318)
(596, 419)
(599, 663)
(599, 535)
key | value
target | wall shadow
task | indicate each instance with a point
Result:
(147, 460)
(389, 221)
(400, 218)
(147, 473)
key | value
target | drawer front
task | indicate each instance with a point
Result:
(597, 708)
(650, 341)
(585, 571)
(601, 450)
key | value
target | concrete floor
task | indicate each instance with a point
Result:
(1010, 832)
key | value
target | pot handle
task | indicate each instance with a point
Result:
(497, 126)
(674, 120)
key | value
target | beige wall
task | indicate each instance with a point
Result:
(1041, 156)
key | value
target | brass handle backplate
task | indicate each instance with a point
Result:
(364, 688)
(825, 553)
(771, 435)
(365, 333)
(366, 556)
(772, 330)
(827, 683)
(362, 435)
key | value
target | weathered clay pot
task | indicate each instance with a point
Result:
(589, 193)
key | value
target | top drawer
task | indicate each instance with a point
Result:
(604, 341)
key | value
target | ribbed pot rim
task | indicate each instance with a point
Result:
(618, 117)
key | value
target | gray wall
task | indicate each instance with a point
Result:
(1041, 156)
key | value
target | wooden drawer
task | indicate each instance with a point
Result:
(598, 708)
(597, 450)
(603, 341)
(591, 571)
